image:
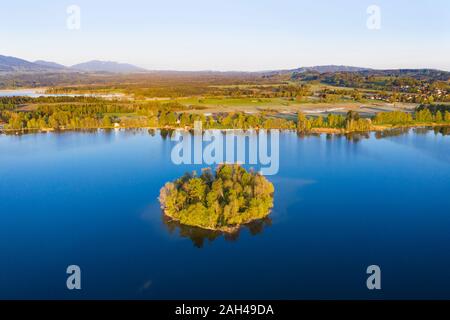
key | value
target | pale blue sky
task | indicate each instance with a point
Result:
(230, 34)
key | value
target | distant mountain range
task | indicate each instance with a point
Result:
(330, 68)
(13, 64)
(107, 66)
(49, 64)
(319, 69)
(16, 65)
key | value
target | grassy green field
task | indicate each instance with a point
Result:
(235, 102)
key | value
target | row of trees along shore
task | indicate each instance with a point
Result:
(67, 114)
(353, 122)
(92, 113)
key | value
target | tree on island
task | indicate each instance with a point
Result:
(224, 201)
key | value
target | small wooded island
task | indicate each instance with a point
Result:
(222, 201)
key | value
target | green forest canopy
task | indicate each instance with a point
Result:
(230, 197)
(62, 113)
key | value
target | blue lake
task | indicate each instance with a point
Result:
(28, 93)
(90, 199)
(36, 93)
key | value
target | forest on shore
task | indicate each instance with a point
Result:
(71, 113)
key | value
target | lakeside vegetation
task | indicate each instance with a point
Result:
(222, 201)
(70, 113)
(419, 86)
(422, 86)
(353, 122)
(307, 101)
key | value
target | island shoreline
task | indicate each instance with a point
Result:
(225, 230)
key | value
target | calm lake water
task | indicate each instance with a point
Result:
(341, 205)
(33, 93)
(27, 93)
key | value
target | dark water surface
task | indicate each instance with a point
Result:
(341, 205)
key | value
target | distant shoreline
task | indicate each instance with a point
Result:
(375, 128)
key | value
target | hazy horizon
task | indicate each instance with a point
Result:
(231, 36)
(224, 71)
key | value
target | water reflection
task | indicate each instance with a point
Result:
(394, 132)
(200, 236)
(357, 136)
(350, 136)
(167, 133)
(445, 131)
(421, 130)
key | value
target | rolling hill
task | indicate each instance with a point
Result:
(107, 66)
(12, 64)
